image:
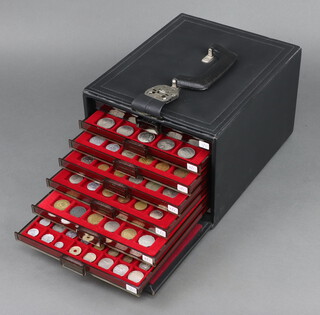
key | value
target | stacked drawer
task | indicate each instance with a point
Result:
(124, 201)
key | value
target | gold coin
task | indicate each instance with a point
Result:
(103, 167)
(127, 259)
(180, 172)
(140, 205)
(99, 247)
(75, 250)
(162, 166)
(107, 193)
(119, 174)
(94, 218)
(123, 200)
(128, 234)
(152, 186)
(146, 160)
(113, 252)
(61, 204)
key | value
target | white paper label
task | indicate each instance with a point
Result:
(147, 259)
(204, 145)
(192, 168)
(131, 289)
(161, 232)
(182, 188)
(173, 209)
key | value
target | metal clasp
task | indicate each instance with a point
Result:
(164, 93)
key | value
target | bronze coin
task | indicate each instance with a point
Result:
(162, 166)
(180, 172)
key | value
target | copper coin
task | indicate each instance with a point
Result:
(95, 218)
(103, 167)
(162, 166)
(128, 234)
(146, 160)
(107, 193)
(180, 172)
(119, 174)
(123, 200)
(61, 204)
(140, 205)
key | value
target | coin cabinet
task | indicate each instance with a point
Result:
(172, 135)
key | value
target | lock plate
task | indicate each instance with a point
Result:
(163, 93)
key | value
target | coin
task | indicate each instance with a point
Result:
(103, 167)
(97, 140)
(61, 204)
(180, 172)
(105, 263)
(186, 152)
(162, 166)
(47, 238)
(123, 200)
(119, 174)
(127, 259)
(132, 119)
(170, 193)
(135, 253)
(146, 240)
(93, 186)
(166, 144)
(135, 180)
(107, 193)
(99, 247)
(59, 244)
(95, 218)
(194, 142)
(114, 147)
(128, 154)
(59, 228)
(156, 214)
(128, 234)
(78, 211)
(113, 252)
(144, 266)
(120, 269)
(75, 250)
(117, 113)
(125, 130)
(75, 179)
(111, 226)
(121, 247)
(174, 135)
(87, 159)
(146, 160)
(33, 232)
(91, 257)
(135, 276)
(146, 137)
(87, 238)
(71, 234)
(64, 221)
(106, 123)
(140, 205)
(152, 186)
(45, 222)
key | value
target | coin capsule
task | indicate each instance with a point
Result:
(106, 122)
(94, 218)
(128, 234)
(61, 204)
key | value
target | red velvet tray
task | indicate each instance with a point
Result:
(131, 142)
(98, 234)
(97, 170)
(61, 181)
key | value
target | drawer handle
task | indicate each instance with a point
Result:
(104, 209)
(74, 265)
(126, 167)
(117, 188)
(135, 147)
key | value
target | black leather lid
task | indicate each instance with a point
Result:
(177, 49)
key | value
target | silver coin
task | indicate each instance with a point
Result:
(91, 257)
(120, 269)
(121, 247)
(75, 179)
(135, 276)
(186, 152)
(166, 144)
(59, 228)
(114, 147)
(105, 263)
(194, 142)
(170, 193)
(135, 253)
(132, 119)
(156, 214)
(71, 234)
(47, 238)
(146, 137)
(33, 232)
(117, 113)
(106, 123)
(97, 140)
(59, 244)
(45, 222)
(136, 180)
(146, 240)
(93, 186)
(174, 135)
(144, 266)
(111, 226)
(87, 159)
(125, 130)
(128, 154)
(152, 186)
(64, 221)
(78, 211)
